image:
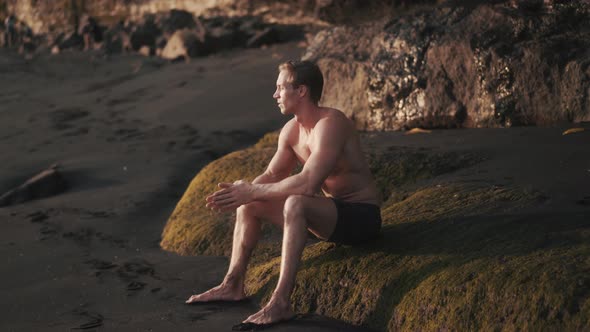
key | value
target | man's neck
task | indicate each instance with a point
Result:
(308, 115)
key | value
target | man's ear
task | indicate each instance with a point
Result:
(302, 90)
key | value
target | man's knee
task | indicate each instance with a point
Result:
(250, 209)
(294, 207)
(254, 210)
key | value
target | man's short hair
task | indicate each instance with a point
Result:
(305, 73)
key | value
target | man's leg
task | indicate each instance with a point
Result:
(317, 214)
(246, 235)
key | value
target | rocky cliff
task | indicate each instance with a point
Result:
(46, 16)
(461, 66)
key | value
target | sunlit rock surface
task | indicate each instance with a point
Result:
(456, 66)
(44, 16)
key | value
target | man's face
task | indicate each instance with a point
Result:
(286, 95)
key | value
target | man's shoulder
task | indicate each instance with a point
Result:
(334, 118)
(288, 129)
(290, 125)
(333, 114)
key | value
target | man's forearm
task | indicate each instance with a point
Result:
(269, 177)
(265, 178)
(297, 184)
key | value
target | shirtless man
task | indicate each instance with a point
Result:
(324, 140)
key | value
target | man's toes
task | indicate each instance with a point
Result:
(250, 319)
(194, 298)
(253, 318)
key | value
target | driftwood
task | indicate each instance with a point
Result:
(47, 183)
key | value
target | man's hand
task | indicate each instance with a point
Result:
(231, 196)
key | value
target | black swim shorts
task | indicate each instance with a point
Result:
(356, 222)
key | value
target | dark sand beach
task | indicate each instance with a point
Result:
(130, 133)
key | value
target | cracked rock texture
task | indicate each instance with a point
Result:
(458, 66)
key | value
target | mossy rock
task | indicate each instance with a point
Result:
(398, 166)
(192, 228)
(456, 267)
(451, 256)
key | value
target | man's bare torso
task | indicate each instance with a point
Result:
(350, 179)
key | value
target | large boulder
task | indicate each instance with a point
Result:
(343, 11)
(192, 228)
(185, 43)
(267, 36)
(145, 33)
(220, 38)
(117, 40)
(70, 40)
(452, 256)
(225, 32)
(176, 20)
(475, 66)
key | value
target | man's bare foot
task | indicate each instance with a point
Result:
(222, 292)
(275, 311)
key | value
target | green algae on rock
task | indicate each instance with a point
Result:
(399, 166)
(193, 229)
(367, 284)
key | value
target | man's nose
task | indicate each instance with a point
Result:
(275, 95)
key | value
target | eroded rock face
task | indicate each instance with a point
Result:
(45, 16)
(171, 34)
(454, 66)
(184, 43)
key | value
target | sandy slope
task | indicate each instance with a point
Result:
(130, 133)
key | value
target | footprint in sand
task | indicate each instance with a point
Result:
(100, 264)
(82, 236)
(115, 102)
(49, 231)
(196, 316)
(38, 216)
(62, 118)
(99, 214)
(92, 319)
(188, 130)
(128, 133)
(77, 132)
(135, 285)
(135, 268)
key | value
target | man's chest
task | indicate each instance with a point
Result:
(302, 152)
(304, 146)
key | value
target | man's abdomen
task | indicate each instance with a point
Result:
(354, 188)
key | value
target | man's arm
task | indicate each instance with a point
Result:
(281, 165)
(331, 134)
(329, 142)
